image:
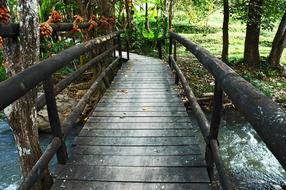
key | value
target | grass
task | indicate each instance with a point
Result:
(265, 79)
(213, 41)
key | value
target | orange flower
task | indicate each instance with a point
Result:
(56, 17)
(76, 21)
(45, 30)
(4, 15)
(104, 22)
(92, 22)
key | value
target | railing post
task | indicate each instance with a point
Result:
(106, 82)
(127, 44)
(170, 51)
(114, 52)
(214, 126)
(175, 50)
(159, 46)
(119, 48)
(175, 59)
(128, 27)
(62, 155)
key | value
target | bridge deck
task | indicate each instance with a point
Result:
(138, 137)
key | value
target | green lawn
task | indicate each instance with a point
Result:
(267, 80)
(213, 41)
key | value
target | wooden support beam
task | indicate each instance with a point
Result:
(54, 119)
(70, 121)
(68, 124)
(41, 101)
(212, 149)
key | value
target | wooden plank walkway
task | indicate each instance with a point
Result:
(138, 137)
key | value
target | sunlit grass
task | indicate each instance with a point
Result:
(213, 41)
(267, 80)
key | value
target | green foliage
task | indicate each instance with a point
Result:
(13, 6)
(271, 11)
(193, 29)
(2, 73)
(49, 47)
(262, 86)
(195, 11)
(47, 6)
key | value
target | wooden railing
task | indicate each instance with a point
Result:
(266, 117)
(18, 85)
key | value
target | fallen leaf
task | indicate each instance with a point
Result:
(145, 108)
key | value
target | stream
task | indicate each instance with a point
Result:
(10, 172)
(248, 161)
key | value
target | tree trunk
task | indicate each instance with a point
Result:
(164, 18)
(19, 55)
(225, 37)
(146, 17)
(251, 49)
(278, 44)
(171, 6)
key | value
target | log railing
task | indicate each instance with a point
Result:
(18, 85)
(266, 117)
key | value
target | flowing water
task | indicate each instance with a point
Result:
(248, 161)
(9, 166)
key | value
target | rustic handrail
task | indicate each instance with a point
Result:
(61, 85)
(266, 117)
(12, 29)
(67, 125)
(20, 84)
(203, 124)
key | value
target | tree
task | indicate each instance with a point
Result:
(278, 44)
(224, 54)
(256, 14)
(251, 47)
(21, 53)
(171, 14)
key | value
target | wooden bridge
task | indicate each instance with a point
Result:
(140, 135)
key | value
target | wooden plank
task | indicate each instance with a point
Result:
(140, 96)
(138, 161)
(134, 174)
(192, 149)
(138, 137)
(145, 79)
(147, 120)
(155, 70)
(136, 82)
(136, 141)
(86, 132)
(143, 100)
(143, 113)
(91, 185)
(148, 87)
(146, 126)
(136, 92)
(145, 75)
(138, 109)
(143, 105)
